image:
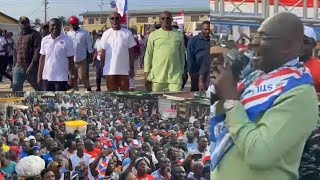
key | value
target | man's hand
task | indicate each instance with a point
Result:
(90, 57)
(94, 64)
(131, 72)
(202, 86)
(147, 83)
(224, 82)
(39, 79)
(30, 70)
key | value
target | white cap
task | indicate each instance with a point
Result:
(31, 138)
(309, 32)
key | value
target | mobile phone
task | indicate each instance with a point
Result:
(197, 156)
(67, 175)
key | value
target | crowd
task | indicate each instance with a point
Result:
(124, 140)
(265, 106)
(51, 60)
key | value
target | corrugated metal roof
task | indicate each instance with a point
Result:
(152, 11)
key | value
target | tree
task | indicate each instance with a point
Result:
(63, 20)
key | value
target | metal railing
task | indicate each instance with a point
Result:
(258, 10)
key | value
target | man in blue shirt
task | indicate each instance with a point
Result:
(198, 57)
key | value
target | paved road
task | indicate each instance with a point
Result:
(139, 82)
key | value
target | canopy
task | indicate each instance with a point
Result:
(282, 2)
(49, 94)
(76, 123)
(16, 106)
(6, 100)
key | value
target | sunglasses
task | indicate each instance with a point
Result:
(265, 37)
(166, 18)
(308, 41)
(115, 18)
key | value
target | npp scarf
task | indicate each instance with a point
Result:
(258, 93)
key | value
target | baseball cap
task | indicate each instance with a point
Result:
(31, 138)
(310, 33)
(23, 19)
(53, 166)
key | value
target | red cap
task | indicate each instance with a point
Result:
(73, 20)
(205, 159)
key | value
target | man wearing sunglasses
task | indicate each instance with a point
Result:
(164, 60)
(313, 63)
(117, 55)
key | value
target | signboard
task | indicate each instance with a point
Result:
(169, 113)
(180, 21)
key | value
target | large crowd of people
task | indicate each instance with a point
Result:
(124, 140)
(51, 60)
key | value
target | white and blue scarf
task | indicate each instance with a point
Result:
(258, 93)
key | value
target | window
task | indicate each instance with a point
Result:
(142, 19)
(103, 20)
(195, 19)
(154, 17)
(91, 20)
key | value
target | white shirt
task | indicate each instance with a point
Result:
(98, 47)
(3, 42)
(57, 51)
(192, 119)
(117, 44)
(82, 44)
(75, 160)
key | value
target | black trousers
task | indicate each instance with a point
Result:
(55, 85)
(4, 61)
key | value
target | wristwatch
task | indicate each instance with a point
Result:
(229, 104)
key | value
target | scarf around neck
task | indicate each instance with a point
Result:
(258, 93)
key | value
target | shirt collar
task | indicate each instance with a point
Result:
(201, 37)
(292, 62)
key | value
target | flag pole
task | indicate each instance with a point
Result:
(127, 15)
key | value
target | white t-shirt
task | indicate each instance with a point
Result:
(192, 119)
(57, 52)
(98, 47)
(3, 42)
(117, 45)
(75, 160)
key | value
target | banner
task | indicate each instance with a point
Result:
(169, 113)
(180, 20)
(281, 2)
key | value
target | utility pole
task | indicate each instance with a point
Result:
(46, 10)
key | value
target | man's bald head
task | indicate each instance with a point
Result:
(279, 40)
(286, 25)
(116, 14)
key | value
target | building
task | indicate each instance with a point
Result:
(9, 23)
(141, 20)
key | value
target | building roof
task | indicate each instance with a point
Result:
(9, 17)
(151, 11)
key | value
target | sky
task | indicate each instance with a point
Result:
(35, 8)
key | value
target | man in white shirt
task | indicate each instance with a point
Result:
(117, 56)
(97, 60)
(56, 59)
(3, 57)
(82, 44)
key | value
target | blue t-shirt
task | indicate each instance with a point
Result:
(48, 159)
(126, 161)
(10, 170)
